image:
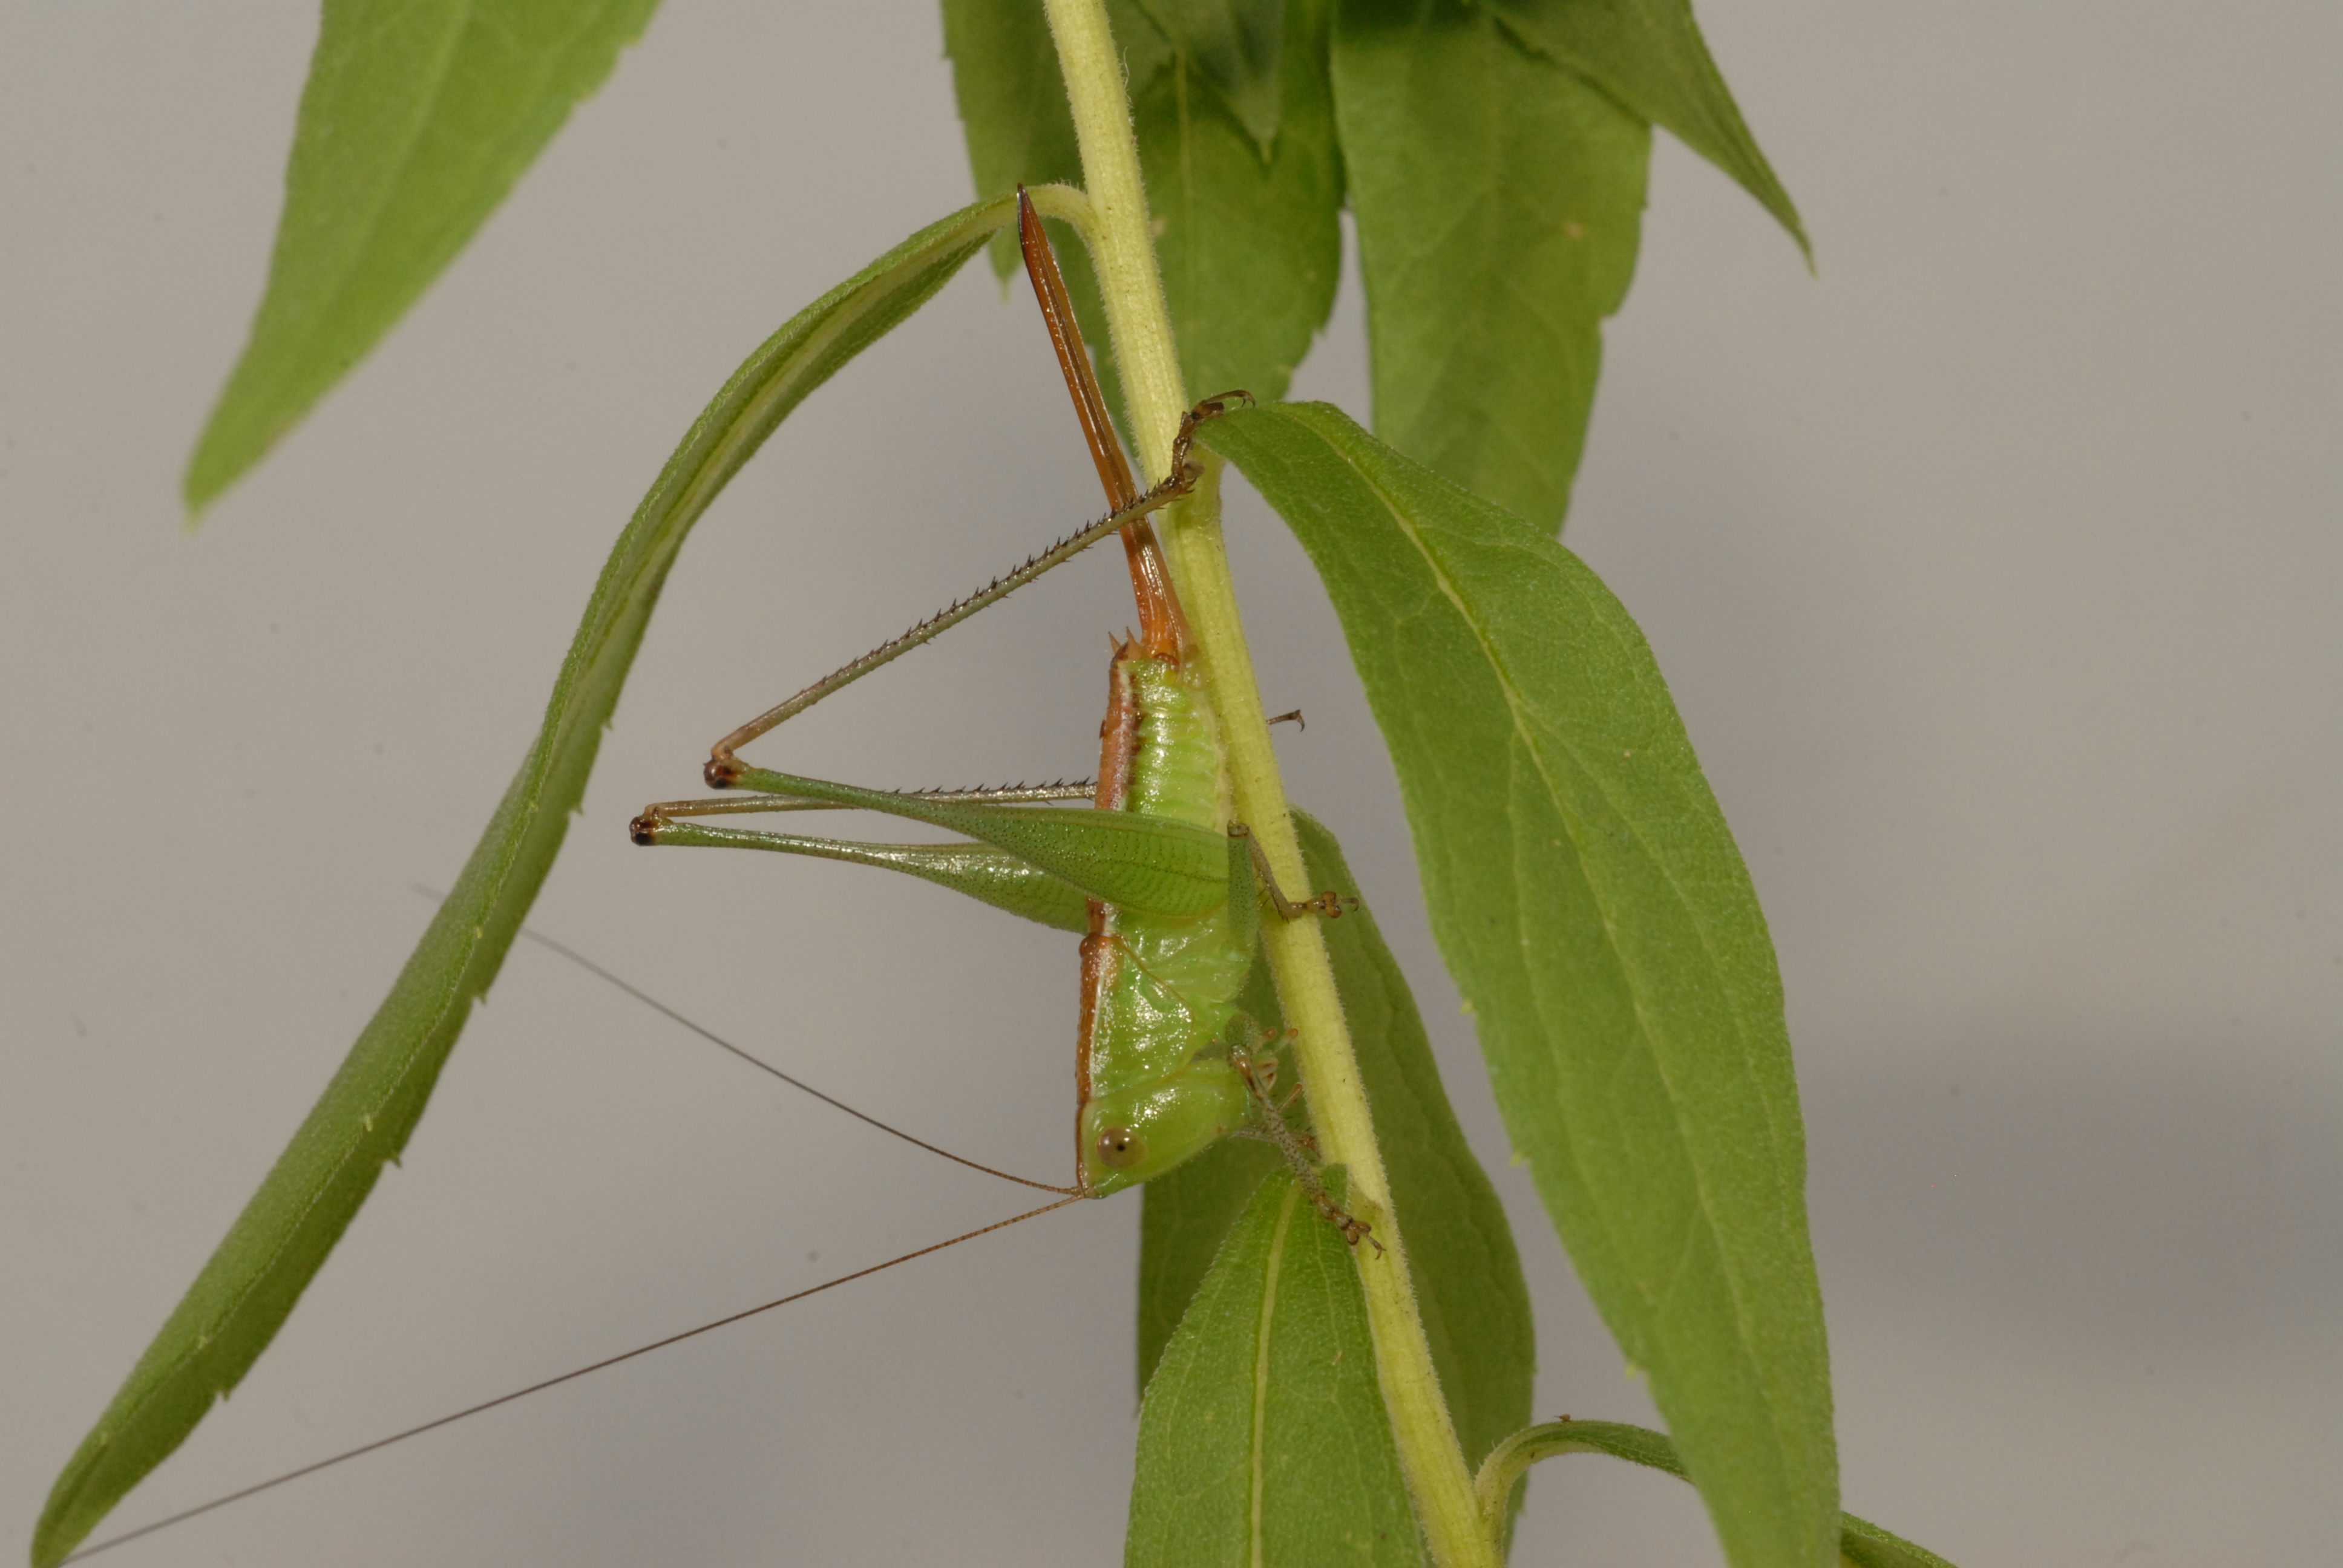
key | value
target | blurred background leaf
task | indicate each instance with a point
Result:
(416, 122)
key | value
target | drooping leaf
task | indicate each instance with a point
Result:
(1238, 46)
(1649, 54)
(1251, 246)
(1263, 1437)
(1861, 1543)
(1597, 916)
(1499, 199)
(416, 119)
(1468, 1281)
(371, 1106)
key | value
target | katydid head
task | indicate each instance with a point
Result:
(1137, 1134)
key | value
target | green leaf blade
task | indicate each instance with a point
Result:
(416, 122)
(1012, 112)
(1861, 1543)
(1238, 46)
(1650, 56)
(1500, 204)
(1250, 241)
(1466, 1271)
(372, 1104)
(1263, 1437)
(1591, 903)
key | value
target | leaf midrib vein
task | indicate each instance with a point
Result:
(1507, 687)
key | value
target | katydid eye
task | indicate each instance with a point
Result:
(1119, 1149)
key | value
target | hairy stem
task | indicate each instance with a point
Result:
(1123, 249)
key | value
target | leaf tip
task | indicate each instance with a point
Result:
(1786, 215)
(63, 1523)
(220, 460)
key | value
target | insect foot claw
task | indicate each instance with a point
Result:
(1355, 1230)
(1209, 408)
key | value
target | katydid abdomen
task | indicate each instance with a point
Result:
(1158, 991)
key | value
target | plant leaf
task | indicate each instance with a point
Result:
(416, 121)
(1013, 114)
(1251, 243)
(1498, 200)
(1861, 1543)
(1251, 246)
(367, 1112)
(1649, 54)
(1591, 903)
(1263, 1437)
(1186, 1212)
(1468, 1278)
(1237, 46)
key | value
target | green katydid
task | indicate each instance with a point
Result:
(1164, 886)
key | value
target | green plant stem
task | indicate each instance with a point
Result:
(1511, 1460)
(1122, 245)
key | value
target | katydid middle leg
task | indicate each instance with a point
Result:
(1301, 1152)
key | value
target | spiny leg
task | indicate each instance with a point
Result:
(1131, 508)
(657, 820)
(1163, 625)
(723, 767)
(1260, 1078)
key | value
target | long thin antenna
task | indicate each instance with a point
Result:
(382, 1442)
(800, 1084)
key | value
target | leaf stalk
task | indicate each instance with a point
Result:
(1130, 283)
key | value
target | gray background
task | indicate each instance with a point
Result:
(1995, 571)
